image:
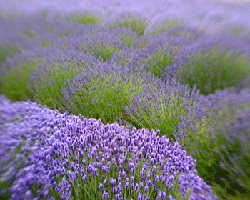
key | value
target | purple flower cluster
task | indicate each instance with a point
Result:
(86, 152)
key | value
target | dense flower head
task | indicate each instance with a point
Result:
(70, 150)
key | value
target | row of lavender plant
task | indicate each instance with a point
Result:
(110, 99)
(64, 154)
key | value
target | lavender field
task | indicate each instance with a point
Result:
(128, 100)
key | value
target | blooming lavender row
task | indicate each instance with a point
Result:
(75, 153)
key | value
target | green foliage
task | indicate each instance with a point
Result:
(236, 31)
(159, 116)
(67, 33)
(4, 186)
(142, 45)
(208, 161)
(49, 29)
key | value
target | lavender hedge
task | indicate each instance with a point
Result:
(75, 155)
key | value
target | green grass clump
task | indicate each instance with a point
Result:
(236, 31)
(104, 53)
(66, 34)
(159, 115)
(141, 45)
(49, 29)
(215, 70)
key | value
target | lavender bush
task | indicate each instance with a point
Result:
(161, 52)
(50, 78)
(212, 65)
